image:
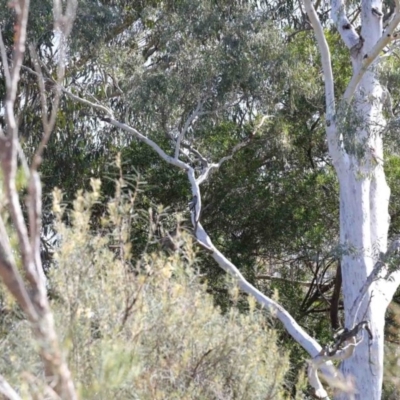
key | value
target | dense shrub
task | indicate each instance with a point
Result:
(146, 328)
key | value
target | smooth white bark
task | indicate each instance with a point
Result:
(364, 193)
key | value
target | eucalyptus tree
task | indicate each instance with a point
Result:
(354, 133)
(355, 130)
(124, 37)
(179, 76)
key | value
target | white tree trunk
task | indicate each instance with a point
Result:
(358, 195)
(357, 153)
(364, 223)
(364, 217)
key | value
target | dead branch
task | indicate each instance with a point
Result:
(32, 296)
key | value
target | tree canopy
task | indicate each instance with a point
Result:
(243, 81)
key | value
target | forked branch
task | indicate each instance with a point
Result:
(293, 328)
(372, 55)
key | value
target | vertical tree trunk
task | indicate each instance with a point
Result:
(364, 217)
(366, 364)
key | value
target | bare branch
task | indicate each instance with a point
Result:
(195, 114)
(129, 129)
(8, 147)
(9, 143)
(203, 160)
(99, 107)
(331, 131)
(21, 10)
(14, 283)
(291, 326)
(301, 283)
(326, 59)
(7, 390)
(33, 299)
(206, 173)
(48, 123)
(306, 341)
(34, 205)
(145, 139)
(369, 58)
(11, 277)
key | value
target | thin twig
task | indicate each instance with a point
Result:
(195, 114)
(301, 283)
(206, 173)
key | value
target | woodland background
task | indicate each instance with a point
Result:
(142, 311)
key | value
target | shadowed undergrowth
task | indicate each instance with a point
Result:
(144, 328)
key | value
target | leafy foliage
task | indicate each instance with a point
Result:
(273, 209)
(143, 328)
